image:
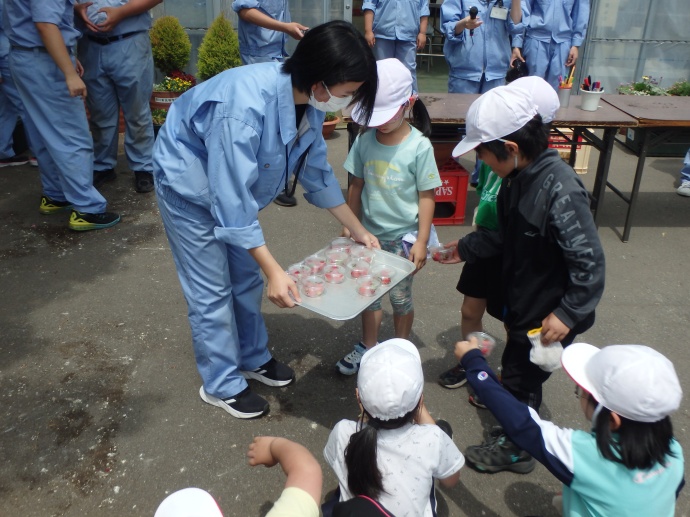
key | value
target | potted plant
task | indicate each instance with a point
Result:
(171, 49)
(329, 124)
(680, 89)
(158, 116)
(219, 50)
(648, 85)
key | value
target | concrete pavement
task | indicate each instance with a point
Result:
(99, 406)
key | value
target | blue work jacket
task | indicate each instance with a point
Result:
(397, 19)
(228, 144)
(488, 51)
(21, 15)
(259, 41)
(563, 21)
(136, 23)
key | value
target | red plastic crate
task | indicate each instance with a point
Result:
(451, 196)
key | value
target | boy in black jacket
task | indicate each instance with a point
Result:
(553, 262)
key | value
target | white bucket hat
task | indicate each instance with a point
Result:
(497, 113)
(390, 379)
(394, 90)
(635, 381)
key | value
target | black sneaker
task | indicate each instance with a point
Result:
(272, 373)
(13, 161)
(100, 177)
(445, 427)
(82, 221)
(453, 378)
(284, 200)
(143, 181)
(499, 453)
(51, 206)
(246, 404)
(476, 401)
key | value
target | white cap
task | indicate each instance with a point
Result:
(189, 502)
(497, 113)
(635, 381)
(544, 97)
(394, 90)
(390, 379)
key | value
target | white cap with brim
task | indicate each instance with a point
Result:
(544, 97)
(390, 379)
(497, 113)
(394, 90)
(189, 502)
(635, 381)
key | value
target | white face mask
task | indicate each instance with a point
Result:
(332, 104)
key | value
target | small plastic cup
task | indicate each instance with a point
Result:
(367, 285)
(358, 268)
(383, 273)
(336, 256)
(363, 253)
(298, 271)
(334, 274)
(315, 263)
(313, 286)
(439, 253)
(486, 342)
(564, 97)
(342, 244)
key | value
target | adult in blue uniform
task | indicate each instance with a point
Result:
(41, 35)
(555, 30)
(118, 72)
(263, 28)
(397, 28)
(228, 147)
(478, 62)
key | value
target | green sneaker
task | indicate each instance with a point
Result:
(499, 453)
(81, 221)
(50, 206)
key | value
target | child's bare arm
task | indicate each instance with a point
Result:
(418, 251)
(300, 466)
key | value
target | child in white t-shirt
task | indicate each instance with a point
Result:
(395, 450)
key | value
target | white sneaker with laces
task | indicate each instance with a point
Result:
(349, 365)
(684, 189)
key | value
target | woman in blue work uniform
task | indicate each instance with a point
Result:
(228, 148)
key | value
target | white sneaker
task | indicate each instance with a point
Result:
(349, 365)
(684, 189)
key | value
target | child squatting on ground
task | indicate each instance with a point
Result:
(393, 177)
(629, 464)
(394, 452)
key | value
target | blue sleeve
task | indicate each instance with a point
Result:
(370, 5)
(320, 184)
(451, 14)
(424, 8)
(514, 29)
(519, 38)
(238, 5)
(580, 20)
(51, 11)
(549, 444)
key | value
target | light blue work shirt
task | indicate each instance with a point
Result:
(21, 15)
(563, 21)
(228, 143)
(488, 51)
(137, 23)
(397, 19)
(259, 41)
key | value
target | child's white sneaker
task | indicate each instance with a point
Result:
(684, 189)
(349, 365)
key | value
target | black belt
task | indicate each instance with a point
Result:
(111, 39)
(30, 49)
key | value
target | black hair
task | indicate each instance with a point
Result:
(363, 474)
(335, 52)
(420, 118)
(517, 69)
(532, 139)
(638, 445)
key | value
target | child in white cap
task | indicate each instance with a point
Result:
(629, 464)
(393, 453)
(393, 177)
(552, 272)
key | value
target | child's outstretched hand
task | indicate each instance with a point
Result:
(259, 452)
(462, 347)
(455, 258)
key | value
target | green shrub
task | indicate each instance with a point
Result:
(681, 89)
(170, 44)
(219, 50)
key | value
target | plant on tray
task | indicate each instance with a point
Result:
(648, 85)
(680, 89)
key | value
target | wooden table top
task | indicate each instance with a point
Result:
(653, 110)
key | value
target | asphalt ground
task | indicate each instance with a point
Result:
(99, 406)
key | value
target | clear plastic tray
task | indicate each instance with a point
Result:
(343, 302)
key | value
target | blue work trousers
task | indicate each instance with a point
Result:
(223, 288)
(546, 59)
(403, 51)
(457, 85)
(10, 109)
(58, 130)
(116, 75)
